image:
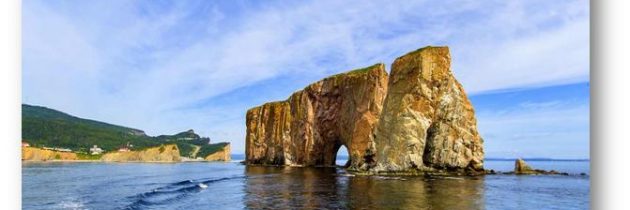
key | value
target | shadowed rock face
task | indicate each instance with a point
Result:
(310, 127)
(419, 119)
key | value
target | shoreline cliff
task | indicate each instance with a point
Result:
(222, 155)
(164, 153)
(37, 154)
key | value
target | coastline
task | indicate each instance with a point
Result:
(162, 154)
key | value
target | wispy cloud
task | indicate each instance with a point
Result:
(557, 132)
(166, 67)
(540, 105)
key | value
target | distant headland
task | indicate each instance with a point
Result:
(51, 135)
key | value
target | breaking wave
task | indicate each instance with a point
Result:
(172, 192)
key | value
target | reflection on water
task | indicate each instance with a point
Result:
(331, 188)
(199, 185)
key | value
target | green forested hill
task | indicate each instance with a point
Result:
(44, 127)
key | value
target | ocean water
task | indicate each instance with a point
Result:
(198, 185)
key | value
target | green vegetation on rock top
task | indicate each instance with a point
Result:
(424, 48)
(211, 148)
(355, 71)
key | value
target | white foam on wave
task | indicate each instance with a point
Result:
(71, 204)
(202, 185)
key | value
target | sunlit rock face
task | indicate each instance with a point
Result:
(310, 127)
(521, 167)
(164, 153)
(417, 120)
(36, 154)
(222, 155)
(427, 121)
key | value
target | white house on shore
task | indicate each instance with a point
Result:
(95, 150)
(57, 149)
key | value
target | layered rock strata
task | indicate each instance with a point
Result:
(417, 120)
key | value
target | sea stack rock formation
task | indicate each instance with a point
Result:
(416, 120)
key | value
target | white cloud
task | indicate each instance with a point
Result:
(553, 57)
(539, 105)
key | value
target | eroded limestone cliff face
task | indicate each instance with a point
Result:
(222, 155)
(309, 127)
(165, 153)
(427, 121)
(418, 119)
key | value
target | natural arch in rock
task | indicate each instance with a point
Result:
(342, 154)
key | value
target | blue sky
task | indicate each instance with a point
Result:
(168, 66)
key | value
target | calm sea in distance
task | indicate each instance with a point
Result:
(231, 185)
